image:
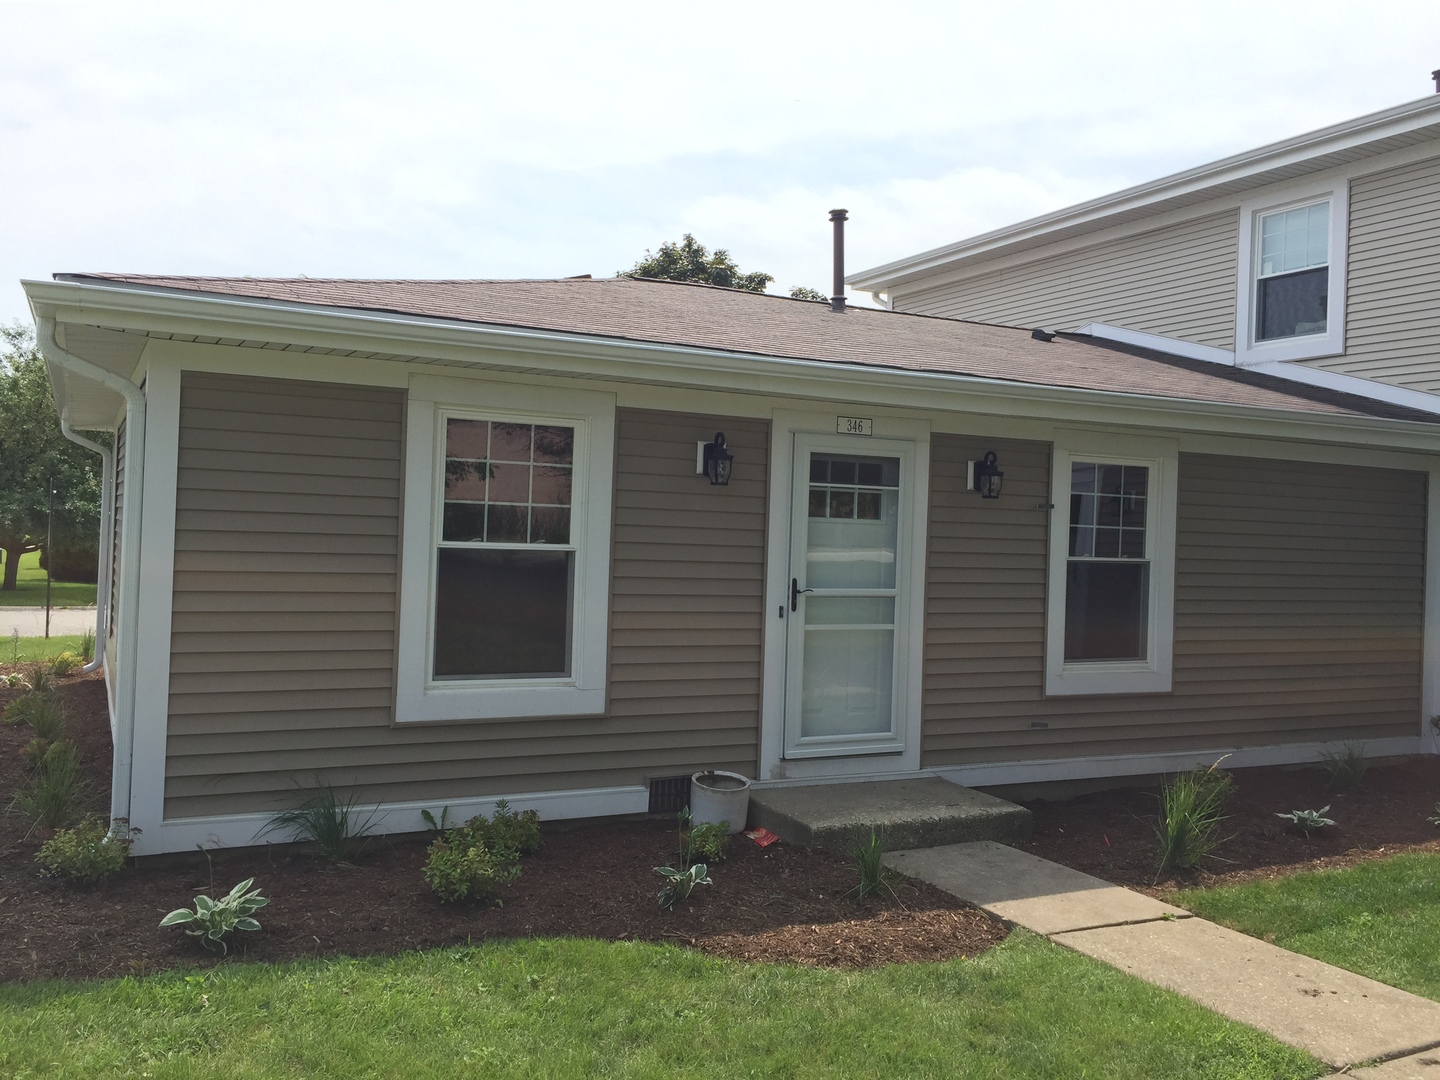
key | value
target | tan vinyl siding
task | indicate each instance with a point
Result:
(287, 533)
(1392, 306)
(1178, 280)
(1297, 612)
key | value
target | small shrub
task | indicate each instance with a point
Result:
(64, 663)
(1191, 806)
(508, 831)
(459, 865)
(1308, 821)
(706, 842)
(35, 751)
(43, 711)
(679, 884)
(87, 853)
(1346, 767)
(333, 826)
(87, 646)
(869, 855)
(51, 796)
(213, 921)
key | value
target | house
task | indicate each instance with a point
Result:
(441, 542)
(1315, 259)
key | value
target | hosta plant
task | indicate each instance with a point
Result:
(1436, 819)
(213, 921)
(1308, 821)
(679, 884)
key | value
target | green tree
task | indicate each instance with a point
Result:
(690, 261)
(33, 455)
(804, 292)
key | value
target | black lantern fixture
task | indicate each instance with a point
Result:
(985, 477)
(718, 460)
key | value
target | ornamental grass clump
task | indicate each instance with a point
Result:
(333, 825)
(51, 796)
(42, 711)
(869, 855)
(1191, 806)
(1346, 767)
(85, 854)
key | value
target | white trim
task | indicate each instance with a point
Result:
(587, 356)
(1298, 150)
(1430, 654)
(1350, 384)
(153, 597)
(239, 830)
(1250, 351)
(784, 425)
(1153, 674)
(1159, 342)
(1000, 773)
(582, 693)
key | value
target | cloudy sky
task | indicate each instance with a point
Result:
(552, 139)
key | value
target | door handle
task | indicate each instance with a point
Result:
(795, 592)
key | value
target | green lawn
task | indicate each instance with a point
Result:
(37, 648)
(1381, 919)
(572, 1008)
(30, 588)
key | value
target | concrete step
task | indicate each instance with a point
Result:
(909, 813)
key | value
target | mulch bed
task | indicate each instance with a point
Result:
(1110, 834)
(777, 904)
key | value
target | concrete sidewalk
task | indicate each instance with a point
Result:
(1337, 1016)
(30, 621)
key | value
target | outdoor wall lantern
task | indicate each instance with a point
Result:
(717, 461)
(985, 477)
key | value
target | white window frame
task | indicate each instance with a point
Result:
(1250, 350)
(1154, 673)
(418, 695)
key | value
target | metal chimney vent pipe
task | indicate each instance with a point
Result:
(1436, 76)
(837, 300)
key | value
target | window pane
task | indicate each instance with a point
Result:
(465, 479)
(1292, 305)
(842, 504)
(509, 483)
(555, 445)
(1107, 607)
(867, 505)
(549, 525)
(1295, 239)
(819, 499)
(467, 438)
(464, 521)
(1083, 477)
(510, 442)
(508, 525)
(502, 614)
(1112, 479)
(550, 485)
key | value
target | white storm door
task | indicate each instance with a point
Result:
(849, 597)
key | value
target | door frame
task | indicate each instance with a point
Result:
(909, 631)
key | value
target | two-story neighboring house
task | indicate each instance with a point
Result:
(1316, 259)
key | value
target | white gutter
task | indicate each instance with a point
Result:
(129, 583)
(107, 516)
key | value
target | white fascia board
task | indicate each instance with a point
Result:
(589, 356)
(1350, 384)
(1349, 135)
(1159, 342)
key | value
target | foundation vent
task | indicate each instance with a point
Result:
(669, 794)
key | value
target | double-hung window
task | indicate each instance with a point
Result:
(505, 569)
(1290, 299)
(1112, 565)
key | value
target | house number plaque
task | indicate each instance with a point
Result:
(854, 425)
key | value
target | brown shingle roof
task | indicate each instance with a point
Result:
(699, 316)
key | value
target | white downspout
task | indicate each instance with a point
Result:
(107, 517)
(129, 577)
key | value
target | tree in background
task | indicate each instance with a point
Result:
(690, 261)
(34, 454)
(804, 292)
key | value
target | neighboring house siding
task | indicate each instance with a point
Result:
(1392, 307)
(1297, 613)
(1178, 281)
(287, 535)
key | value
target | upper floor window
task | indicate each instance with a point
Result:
(1290, 295)
(1292, 280)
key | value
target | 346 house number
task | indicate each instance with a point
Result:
(854, 425)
